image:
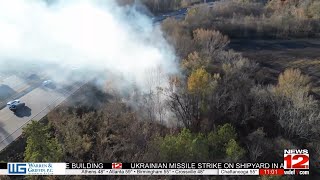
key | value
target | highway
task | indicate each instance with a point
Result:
(179, 14)
(39, 100)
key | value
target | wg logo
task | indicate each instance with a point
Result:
(17, 168)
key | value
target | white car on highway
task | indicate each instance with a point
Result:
(15, 104)
(47, 83)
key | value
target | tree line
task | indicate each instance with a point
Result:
(219, 108)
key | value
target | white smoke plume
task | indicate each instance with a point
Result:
(94, 35)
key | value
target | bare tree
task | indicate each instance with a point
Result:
(257, 145)
(210, 40)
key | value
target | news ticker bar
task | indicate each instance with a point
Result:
(144, 169)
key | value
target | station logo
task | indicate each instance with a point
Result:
(296, 159)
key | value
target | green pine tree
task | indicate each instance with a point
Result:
(41, 147)
(234, 151)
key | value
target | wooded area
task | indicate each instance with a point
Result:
(220, 108)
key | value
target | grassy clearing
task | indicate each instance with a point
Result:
(277, 55)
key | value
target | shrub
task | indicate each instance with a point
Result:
(234, 151)
(183, 147)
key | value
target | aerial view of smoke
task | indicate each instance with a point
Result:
(95, 36)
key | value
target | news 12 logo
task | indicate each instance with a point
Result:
(17, 168)
(296, 159)
(116, 165)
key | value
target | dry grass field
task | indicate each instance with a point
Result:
(277, 55)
